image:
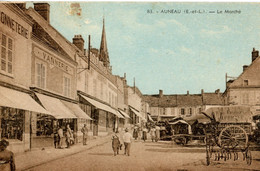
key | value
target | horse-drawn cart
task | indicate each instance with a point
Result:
(227, 133)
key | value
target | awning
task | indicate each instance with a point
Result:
(102, 106)
(137, 113)
(124, 114)
(16, 99)
(55, 107)
(76, 110)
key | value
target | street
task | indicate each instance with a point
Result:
(163, 155)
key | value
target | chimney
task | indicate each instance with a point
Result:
(22, 6)
(160, 93)
(255, 54)
(43, 9)
(124, 75)
(188, 92)
(79, 42)
(245, 67)
(202, 91)
(217, 91)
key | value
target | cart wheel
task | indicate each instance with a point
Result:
(233, 136)
(248, 157)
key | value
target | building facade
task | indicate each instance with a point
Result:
(165, 107)
(245, 89)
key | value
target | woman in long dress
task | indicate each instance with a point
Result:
(6, 157)
(135, 133)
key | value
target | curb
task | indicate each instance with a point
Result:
(66, 155)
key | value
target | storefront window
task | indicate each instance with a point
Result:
(12, 123)
(44, 125)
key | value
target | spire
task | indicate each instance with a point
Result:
(103, 47)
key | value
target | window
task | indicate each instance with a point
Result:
(245, 82)
(12, 123)
(190, 112)
(245, 98)
(7, 50)
(40, 75)
(66, 86)
(182, 111)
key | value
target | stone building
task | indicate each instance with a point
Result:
(97, 87)
(53, 79)
(245, 89)
(163, 107)
(17, 106)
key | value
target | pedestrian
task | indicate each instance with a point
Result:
(135, 133)
(152, 133)
(60, 134)
(68, 135)
(145, 133)
(56, 138)
(157, 135)
(115, 143)
(127, 141)
(6, 157)
(84, 131)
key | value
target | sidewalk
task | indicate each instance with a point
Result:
(33, 158)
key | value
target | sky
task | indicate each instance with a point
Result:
(188, 50)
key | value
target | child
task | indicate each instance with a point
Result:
(115, 143)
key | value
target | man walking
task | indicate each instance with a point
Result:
(127, 141)
(84, 130)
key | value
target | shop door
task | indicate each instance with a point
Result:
(95, 122)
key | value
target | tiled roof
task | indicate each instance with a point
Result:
(212, 99)
(183, 100)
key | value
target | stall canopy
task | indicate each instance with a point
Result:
(76, 110)
(179, 121)
(55, 107)
(137, 113)
(16, 99)
(124, 114)
(102, 106)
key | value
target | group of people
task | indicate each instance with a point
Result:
(127, 138)
(70, 136)
(116, 144)
(142, 133)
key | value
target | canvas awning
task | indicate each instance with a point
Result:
(137, 113)
(76, 110)
(55, 107)
(124, 114)
(102, 106)
(16, 99)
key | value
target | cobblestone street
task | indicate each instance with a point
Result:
(162, 155)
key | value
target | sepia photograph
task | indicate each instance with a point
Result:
(129, 86)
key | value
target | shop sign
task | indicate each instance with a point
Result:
(52, 60)
(15, 26)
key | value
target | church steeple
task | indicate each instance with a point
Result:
(104, 57)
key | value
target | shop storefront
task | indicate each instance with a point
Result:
(62, 113)
(105, 118)
(16, 110)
